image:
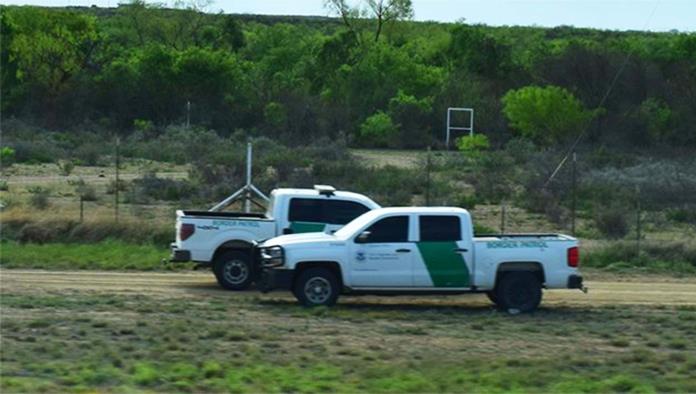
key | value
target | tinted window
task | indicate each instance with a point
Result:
(342, 212)
(324, 211)
(391, 229)
(306, 210)
(440, 228)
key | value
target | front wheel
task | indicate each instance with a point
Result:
(233, 270)
(316, 286)
(518, 291)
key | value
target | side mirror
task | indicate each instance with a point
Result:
(363, 237)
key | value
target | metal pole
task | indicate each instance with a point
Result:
(82, 209)
(573, 177)
(118, 162)
(427, 179)
(638, 224)
(447, 138)
(247, 201)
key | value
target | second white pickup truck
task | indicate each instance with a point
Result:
(224, 241)
(419, 251)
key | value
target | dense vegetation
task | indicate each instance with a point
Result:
(139, 67)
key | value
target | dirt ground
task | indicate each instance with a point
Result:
(631, 290)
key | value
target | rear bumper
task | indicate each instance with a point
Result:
(575, 282)
(275, 279)
(179, 255)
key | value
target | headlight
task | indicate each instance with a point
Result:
(272, 256)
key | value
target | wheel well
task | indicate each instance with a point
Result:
(331, 265)
(241, 246)
(526, 266)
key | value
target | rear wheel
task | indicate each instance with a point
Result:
(519, 292)
(233, 270)
(316, 286)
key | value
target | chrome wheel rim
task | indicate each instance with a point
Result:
(235, 272)
(317, 290)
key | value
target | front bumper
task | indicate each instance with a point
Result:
(179, 255)
(275, 279)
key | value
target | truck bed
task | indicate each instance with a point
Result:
(230, 215)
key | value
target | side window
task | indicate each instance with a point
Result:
(342, 212)
(306, 210)
(391, 229)
(440, 228)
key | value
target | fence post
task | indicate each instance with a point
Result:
(118, 159)
(502, 218)
(82, 208)
(573, 179)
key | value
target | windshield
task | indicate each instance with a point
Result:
(357, 223)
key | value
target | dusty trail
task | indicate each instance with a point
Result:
(198, 284)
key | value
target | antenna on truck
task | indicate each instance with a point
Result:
(246, 192)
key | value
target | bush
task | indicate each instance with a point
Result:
(85, 191)
(39, 197)
(378, 130)
(150, 186)
(7, 156)
(472, 145)
(682, 215)
(66, 167)
(654, 257)
(612, 222)
(4, 186)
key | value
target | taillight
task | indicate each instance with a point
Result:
(573, 257)
(186, 230)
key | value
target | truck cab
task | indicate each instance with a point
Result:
(224, 241)
(419, 250)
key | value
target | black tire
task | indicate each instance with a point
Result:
(491, 296)
(519, 292)
(233, 270)
(315, 287)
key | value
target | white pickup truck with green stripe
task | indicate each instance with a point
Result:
(415, 250)
(224, 241)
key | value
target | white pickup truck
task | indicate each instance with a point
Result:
(419, 251)
(224, 241)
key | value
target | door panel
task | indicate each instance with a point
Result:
(383, 264)
(439, 264)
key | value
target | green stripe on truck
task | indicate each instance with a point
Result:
(306, 227)
(446, 267)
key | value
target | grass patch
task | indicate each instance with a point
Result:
(80, 341)
(654, 257)
(105, 255)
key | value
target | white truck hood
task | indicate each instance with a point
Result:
(295, 239)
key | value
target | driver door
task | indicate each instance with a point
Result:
(385, 257)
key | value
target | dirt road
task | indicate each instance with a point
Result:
(197, 284)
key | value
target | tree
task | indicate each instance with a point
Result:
(50, 48)
(478, 52)
(545, 114)
(382, 12)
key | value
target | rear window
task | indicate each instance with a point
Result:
(440, 228)
(324, 211)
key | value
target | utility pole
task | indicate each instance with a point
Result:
(118, 185)
(573, 200)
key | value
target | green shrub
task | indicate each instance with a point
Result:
(39, 197)
(473, 144)
(66, 167)
(4, 186)
(611, 222)
(7, 156)
(682, 215)
(378, 130)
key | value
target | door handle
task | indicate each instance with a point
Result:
(403, 250)
(460, 250)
